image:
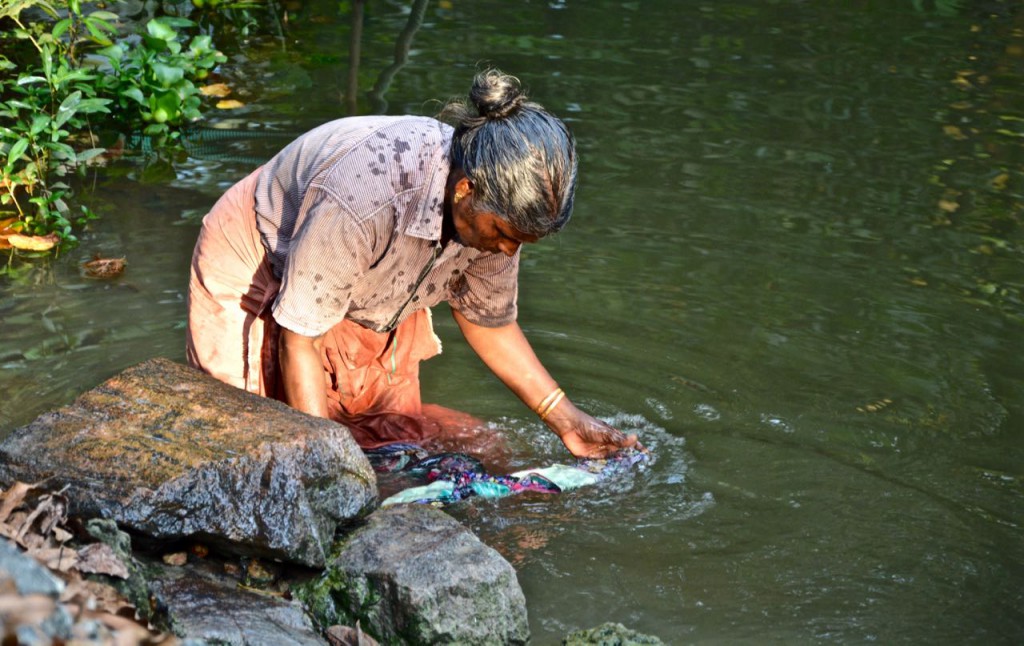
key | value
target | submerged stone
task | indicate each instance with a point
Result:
(414, 575)
(171, 453)
(610, 634)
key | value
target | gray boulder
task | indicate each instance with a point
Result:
(414, 575)
(171, 453)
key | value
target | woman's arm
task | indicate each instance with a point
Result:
(506, 351)
(302, 372)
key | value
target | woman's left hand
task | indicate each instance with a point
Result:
(586, 436)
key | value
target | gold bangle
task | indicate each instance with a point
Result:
(544, 403)
(553, 405)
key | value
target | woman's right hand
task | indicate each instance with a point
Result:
(586, 436)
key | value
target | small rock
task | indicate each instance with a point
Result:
(610, 634)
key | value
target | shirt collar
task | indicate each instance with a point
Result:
(429, 212)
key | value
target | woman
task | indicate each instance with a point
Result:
(312, 278)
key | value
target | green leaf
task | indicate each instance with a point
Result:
(105, 15)
(15, 153)
(114, 52)
(158, 29)
(89, 106)
(26, 80)
(67, 108)
(86, 155)
(167, 75)
(135, 94)
(180, 23)
(62, 151)
(39, 123)
(154, 129)
(61, 27)
(97, 33)
(102, 24)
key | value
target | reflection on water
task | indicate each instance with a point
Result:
(794, 268)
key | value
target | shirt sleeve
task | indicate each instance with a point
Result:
(327, 257)
(487, 291)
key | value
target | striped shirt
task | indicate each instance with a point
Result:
(350, 214)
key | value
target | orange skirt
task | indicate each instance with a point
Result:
(371, 378)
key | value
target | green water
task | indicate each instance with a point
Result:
(795, 268)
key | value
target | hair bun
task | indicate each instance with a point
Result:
(496, 95)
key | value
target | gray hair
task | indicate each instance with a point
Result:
(520, 158)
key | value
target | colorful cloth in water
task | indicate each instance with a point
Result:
(457, 476)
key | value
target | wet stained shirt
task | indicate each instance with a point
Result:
(350, 214)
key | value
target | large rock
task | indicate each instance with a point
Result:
(170, 453)
(414, 575)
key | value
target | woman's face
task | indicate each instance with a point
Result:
(484, 230)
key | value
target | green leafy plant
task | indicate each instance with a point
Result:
(155, 80)
(148, 84)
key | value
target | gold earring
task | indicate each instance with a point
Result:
(459, 196)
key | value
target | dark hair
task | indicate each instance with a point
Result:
(520, 158)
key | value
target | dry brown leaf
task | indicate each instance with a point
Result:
(229, 104)
(60, 559)
(220, 90)
(61, 535)
(51, 509)
(99, 558)
(104, 267)
(12, 498)
(30, 610)
(348, 636)
(5, 225)
(33, 243)
(176, 559)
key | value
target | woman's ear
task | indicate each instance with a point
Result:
(463, 187)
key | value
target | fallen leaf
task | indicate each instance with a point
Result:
(12, 498)
(60, 559)
(100, 558)
(216, 89)
(33, 243)
(954, 132)
(230, 104)
(29, 610)
(104, 267)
